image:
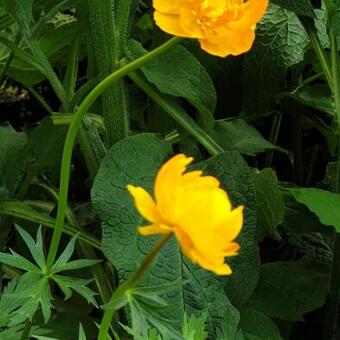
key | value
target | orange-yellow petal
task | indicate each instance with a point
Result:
(168, 181)
(196, 210)
(230, 226)
(235, 43)
(170, 23)
(145, 204)
(154, 229)
(253, 11)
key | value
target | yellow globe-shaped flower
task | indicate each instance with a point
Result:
(223, 27)
(196, 209)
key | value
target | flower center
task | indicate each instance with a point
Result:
(211, 14)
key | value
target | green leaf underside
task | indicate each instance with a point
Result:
(287, 290)
(324, 204)
(317, 97)
(257, 326)
(270, 205)
(238, 135)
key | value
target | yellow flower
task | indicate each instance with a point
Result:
(223, 27)
(196, 210)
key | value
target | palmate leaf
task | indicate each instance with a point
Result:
(63, 263)
(14, 332)
(35, 247)
(68, 284)
(194, 327)
(144, 316)
(8, 303)
(17, 261)
(34, 291)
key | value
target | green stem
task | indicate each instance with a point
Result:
(309, 26)
(128, 284)
(73, 131)
(335, 76)
(332, 300)
(9, 60)
(21, 210)
(178, 115)
(274, 134)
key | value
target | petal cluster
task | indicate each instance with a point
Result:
(196, 210)
(223, 27)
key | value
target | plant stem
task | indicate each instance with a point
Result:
(9, 60)
(178, 115)
(332, 301)
(73, 131)
(274, 134)
(335, 76)
(21, 210)
(128, 284)
(309, 26)
(105, 30)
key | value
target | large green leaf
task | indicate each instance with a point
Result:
(11, 144)
(46, 144)
(281, 42)
(136, 160)
(257, 326)
(240, 136)
(270, 205)
(287, 290)
(188, 79)
(302, 7)
(324, 204)
(318, 97)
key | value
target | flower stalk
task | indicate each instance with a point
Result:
(73, 131)
(130, 283)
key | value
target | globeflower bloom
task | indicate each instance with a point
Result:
(223, 27)
(196, 210)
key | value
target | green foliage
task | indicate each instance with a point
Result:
(256, 326)
(302, 7)
(287, 290)
(238, 135)
(12, 143)
(281, 43)
(189, 80)
(131, 248)
(270, 204)
(317, 97)
(193, 327)
(32, 290)
(265, 124)
(322, 203)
